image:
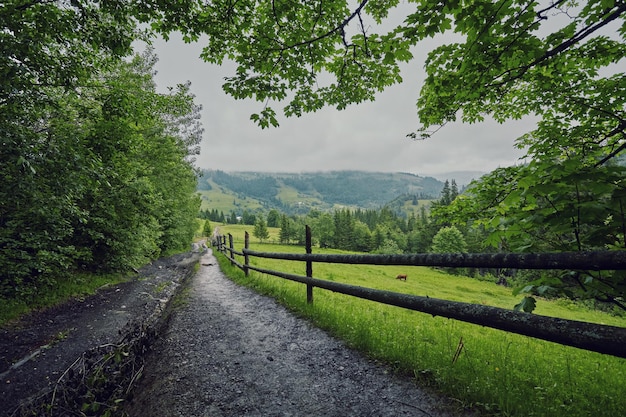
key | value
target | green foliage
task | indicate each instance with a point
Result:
(507, 60)
(527, 304)
(449, 240)
(260, 230)
(566, 203)
(207, 230)
(285, 229)
(62, 288)
(273, 218)
(388, 247)
(95, 169)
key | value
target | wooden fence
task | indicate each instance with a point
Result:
(605, 339)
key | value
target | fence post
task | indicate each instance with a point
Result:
(309, 266)
(231, 248)
(246, 258)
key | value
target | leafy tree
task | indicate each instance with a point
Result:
(248, 218)
(582, 210)
(449, 240)
(145, 202)
(260, 229)
(507, 59)
(98, 177)
(46, 51)
(388, 247)
(298, 230)
(273, 218)
(362, 237)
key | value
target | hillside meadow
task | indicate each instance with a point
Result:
(493, 371)
(299, 193)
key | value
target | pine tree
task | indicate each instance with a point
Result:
(207, 229)
(260, 229)
(284, 235)
(454, 191)
(446, 197)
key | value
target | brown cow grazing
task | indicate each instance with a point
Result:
(401, 277)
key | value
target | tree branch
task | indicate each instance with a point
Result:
(554, 5)
(579, 36)
(612, 154)
(340, 29)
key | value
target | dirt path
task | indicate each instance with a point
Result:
(231, 352)
(36, 350)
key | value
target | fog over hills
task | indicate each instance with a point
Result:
(462, 178)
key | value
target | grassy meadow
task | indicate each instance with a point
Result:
(496, 372)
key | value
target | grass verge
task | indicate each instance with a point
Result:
(75, 285)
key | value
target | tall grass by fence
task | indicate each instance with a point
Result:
(604, 339)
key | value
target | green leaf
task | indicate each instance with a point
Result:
(527, 304)
(523, 290)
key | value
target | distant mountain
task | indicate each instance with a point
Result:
(301, 192)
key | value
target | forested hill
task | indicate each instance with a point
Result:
(321, 190)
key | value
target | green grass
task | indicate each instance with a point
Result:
(226, 201)
(409, 208)
(238, 231)
(497, 372)
(291, 196)
(77, 285)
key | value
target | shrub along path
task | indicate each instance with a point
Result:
(229, 351)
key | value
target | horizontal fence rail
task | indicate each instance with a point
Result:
(594, 261)
(604, 339)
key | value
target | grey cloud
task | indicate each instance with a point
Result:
(370, 136)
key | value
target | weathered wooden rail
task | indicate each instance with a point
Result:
(610, 340)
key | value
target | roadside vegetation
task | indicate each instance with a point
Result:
(499, 373)
(71, 286)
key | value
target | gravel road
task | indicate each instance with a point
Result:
(231, 352)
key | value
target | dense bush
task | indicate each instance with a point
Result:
(94, 178)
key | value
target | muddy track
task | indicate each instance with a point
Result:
(228, 351)
(37, 350)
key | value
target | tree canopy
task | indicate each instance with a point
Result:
(505, 59)
(556, 59)
(97, 170)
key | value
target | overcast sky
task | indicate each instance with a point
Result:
(369, 136)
